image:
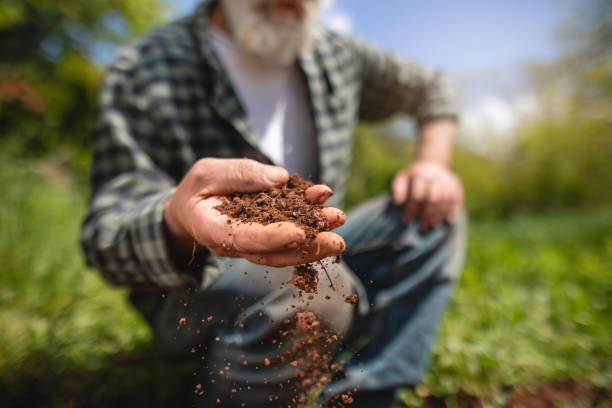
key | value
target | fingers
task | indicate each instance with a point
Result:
(430, 192)
(417, 196)
(432, 208)
(335, 217)
(324, 245)
(257, 238)
(453, 212)
(318, 194)
(455, 204)
(442, 202)
(217, 231)
(225, 176)
(399, 188)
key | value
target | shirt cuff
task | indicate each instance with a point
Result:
(149, 243)
(450, 115)
(440, 102)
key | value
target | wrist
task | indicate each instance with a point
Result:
(435, 142)
(429, 161)
(178, 241)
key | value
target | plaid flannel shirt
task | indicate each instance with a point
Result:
(167, 102)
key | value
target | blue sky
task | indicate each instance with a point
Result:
(455, 36)
(483, 45)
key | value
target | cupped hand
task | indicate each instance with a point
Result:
(428, 190)
(190, 215)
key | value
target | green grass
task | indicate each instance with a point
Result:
(534, 304)
(51, 307)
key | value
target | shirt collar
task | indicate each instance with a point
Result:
(223, 97)
(316, 63)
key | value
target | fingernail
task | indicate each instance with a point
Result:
(325, 195)
(275, 175)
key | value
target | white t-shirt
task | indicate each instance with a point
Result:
(276, 100)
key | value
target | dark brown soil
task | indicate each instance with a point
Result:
(313, 345)
(547, 395)
(305, 278)
(286, 203)
(564, 393)
(312, 351)
(352, 299)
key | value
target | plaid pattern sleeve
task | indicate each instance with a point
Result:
(123, 233)
(392, 85)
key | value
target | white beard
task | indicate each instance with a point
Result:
(278, 38)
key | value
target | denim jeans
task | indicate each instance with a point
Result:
(403, 279)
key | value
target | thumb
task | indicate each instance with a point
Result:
(244, 175)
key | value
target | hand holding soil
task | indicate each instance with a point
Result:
(192, 214)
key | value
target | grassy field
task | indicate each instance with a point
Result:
(534, 305)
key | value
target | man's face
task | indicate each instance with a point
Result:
(274, 29)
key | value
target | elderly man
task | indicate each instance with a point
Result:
(230, 100)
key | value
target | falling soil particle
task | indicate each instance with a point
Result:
(311, 345)
(352, 299)
(307, 321)
(311, 353)
(347, 399)
(305, 278)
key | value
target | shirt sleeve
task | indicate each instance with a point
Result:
(392, 85)
(123, 233)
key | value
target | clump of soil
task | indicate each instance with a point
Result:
(305, 278)
(286, 203)
(347, 399)
(352, 299)
(306, 321)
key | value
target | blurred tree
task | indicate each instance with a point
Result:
(564, 157)
(48, 75)
(378, 155)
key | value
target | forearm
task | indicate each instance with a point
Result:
(436, 141)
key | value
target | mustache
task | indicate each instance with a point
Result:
(300, 6)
